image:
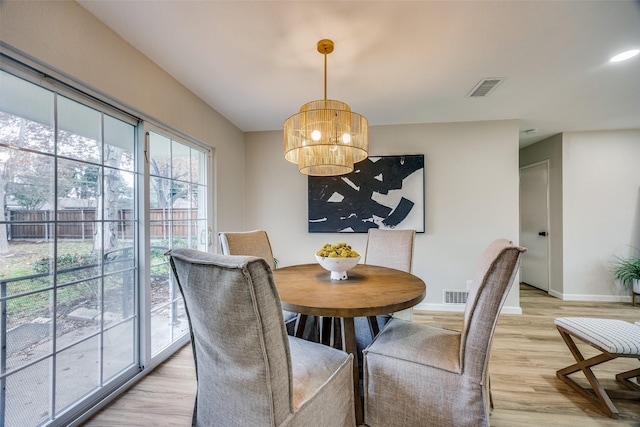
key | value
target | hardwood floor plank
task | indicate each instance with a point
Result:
(526, 353)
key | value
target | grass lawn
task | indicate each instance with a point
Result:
(22, 256)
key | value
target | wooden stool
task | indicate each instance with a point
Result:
(614, 338)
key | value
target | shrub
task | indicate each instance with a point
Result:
(64, 261)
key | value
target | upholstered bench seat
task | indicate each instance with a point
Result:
(614, 338)
(610, 335)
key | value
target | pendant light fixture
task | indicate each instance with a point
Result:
(326, 138)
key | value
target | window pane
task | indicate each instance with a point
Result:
(79, 131)
(119, 296)
(78, 311)
(77, 261)
(161, 297)
(180, 195)
(118, 191)
(28, 395)
(118, 349)
(77, 185)
(29, 329)
(202, 231)
(183, 234)
(181, 324)
(121, 256)
(77, 372)
(29, 180)
(199, 204)
(159, 155)
(160, 193)
(180, 159)
(26, 114)
(29, 266)
(76, 224)
(198, 166)
(123, 197)
(119, 140)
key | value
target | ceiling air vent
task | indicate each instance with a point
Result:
(485, 87)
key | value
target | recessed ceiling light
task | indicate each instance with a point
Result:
(625, 55)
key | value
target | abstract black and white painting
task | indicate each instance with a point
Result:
(381, 192)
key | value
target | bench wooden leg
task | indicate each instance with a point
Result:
(597, 394)
(623, 378)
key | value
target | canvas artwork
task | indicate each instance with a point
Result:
(382, 192)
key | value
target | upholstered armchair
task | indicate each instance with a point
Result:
(429, 376)
(249, 371)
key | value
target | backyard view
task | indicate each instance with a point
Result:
(81, 311)
(71, 285)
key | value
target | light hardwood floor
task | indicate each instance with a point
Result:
(527, 351)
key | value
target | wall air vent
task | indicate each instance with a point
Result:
(455, 297)
(485, 87)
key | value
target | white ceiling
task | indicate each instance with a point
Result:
(397, 62)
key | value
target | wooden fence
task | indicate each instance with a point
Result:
(79, 224)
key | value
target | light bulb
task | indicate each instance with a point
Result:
(315, 135)
(334, 147)
(346, 138)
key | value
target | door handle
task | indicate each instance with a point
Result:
(543, 234)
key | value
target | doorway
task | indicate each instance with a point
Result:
(534, 224)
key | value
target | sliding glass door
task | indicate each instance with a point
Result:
(87, 300)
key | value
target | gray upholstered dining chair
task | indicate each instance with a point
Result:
(249, 371)
(429, 376)
(393, 249)
(254, 243)
(386, 248)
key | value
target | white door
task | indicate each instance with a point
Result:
(534, 228)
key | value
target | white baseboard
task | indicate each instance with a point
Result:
(596, 298)
(518, 310)
(460, 307)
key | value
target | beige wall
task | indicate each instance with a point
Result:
(65, 36)
(601, 208)
(594, 209)
(471, 168)
(471, 198)
(551, 149)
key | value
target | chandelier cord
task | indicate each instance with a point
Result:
(325, 74)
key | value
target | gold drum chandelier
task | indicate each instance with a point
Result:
(326, 138)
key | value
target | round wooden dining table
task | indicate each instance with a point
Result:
(369, 290)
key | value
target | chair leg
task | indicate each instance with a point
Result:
(324, 330)
(301, 322)
(336, 335)
(490, 394)
(373, 326)
(597, 394)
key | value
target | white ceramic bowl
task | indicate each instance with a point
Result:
(338, 266)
